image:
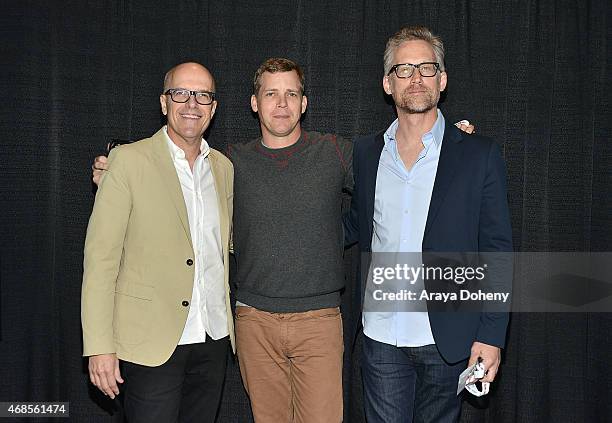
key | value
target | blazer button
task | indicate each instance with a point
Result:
(189, 262)
(185, 303)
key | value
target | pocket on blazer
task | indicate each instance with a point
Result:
(136, 290)
(132, 319)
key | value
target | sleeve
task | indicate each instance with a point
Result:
(495, 247)
(346, 157)
(102, 256)
(229, 180)
(350, 220)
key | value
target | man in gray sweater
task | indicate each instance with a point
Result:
(288, 243)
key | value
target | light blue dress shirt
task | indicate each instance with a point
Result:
(401, 205)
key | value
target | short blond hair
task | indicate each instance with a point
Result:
(410, 33)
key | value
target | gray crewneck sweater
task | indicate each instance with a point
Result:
(287, 231)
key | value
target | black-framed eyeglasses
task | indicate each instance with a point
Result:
(180, 95)
(405, 70)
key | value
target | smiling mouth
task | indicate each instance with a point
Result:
(190, 116)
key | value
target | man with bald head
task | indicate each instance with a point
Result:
(155, 301)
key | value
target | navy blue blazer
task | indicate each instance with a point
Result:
(468, 212)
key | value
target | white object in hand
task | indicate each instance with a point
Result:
(469, 377)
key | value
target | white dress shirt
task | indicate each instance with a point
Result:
(207, 314)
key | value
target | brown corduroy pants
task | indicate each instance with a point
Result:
(291, 364)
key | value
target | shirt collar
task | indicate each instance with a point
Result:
(177, 153)
(436, 132)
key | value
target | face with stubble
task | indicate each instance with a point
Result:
(416, 94)
(279, 104)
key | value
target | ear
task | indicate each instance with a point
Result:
(164, 106)
(213, 108)
(443, 81)
(304, 103)
(254, 103)
(387, 85)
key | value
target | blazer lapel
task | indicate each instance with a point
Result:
(451, 154)
(217, 173)
(170, 180)
(372, 158)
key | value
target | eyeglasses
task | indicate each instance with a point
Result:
(405, 70)
(179, 95)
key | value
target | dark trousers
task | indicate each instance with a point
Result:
(186, 388)
(406, 384)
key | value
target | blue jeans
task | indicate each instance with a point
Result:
(406, 384)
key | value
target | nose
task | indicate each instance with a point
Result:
(282, 101)
(192, 101)
(416, 77)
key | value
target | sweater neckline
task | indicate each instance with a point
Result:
(283, 152)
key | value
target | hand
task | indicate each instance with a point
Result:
(491, 358)
(465, 126)
(104, 373)
(99, 165)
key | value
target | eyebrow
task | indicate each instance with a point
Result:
(276, 89)
(198, 91)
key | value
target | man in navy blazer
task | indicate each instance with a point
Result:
(424, 186)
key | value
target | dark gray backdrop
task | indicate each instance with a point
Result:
(532, 74)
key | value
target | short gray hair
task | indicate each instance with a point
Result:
(410, 33)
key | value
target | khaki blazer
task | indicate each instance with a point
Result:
(139, 259)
